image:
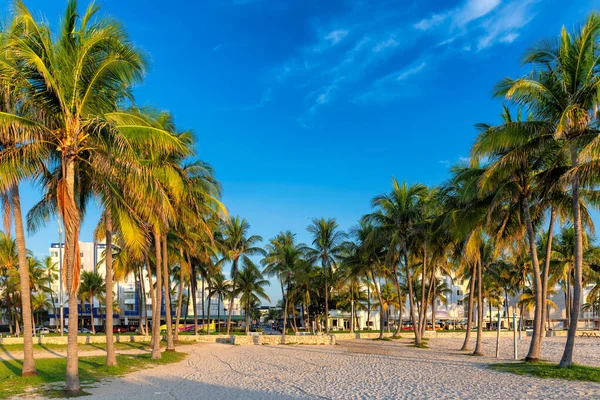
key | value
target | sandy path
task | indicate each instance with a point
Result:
(353, 370)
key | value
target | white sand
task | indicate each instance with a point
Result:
(358, 369)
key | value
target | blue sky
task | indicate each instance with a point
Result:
(308, 108)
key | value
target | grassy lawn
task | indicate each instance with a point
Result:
(40, 348)
(548, 370)
(91, 370)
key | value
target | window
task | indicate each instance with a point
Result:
(129, 307)
(81, 254)
(459, 292)
(129, 295)
(459, 303)
(54, 254)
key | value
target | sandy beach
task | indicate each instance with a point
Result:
(357, 369)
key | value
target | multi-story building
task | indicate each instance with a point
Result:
(129, 304)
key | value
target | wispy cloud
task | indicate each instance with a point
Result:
(334, 37)
(396, 85)
(479, 23)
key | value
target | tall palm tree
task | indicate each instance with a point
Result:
(75, 78)
(235, 244)
(327, 247)
(396, 214)
(92, 285)
(221, 288)
(283, 256)
(562, 90)
(250, 288)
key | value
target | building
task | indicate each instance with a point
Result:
(129, 303)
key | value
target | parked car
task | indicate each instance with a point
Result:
(83, 330)
(42, 330)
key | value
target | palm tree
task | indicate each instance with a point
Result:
(76, 79)
(396, 214)
(250, 288)
(221, 288)
(39, 302)
(389, 298)
(327, 247)
(562, 90)
(235, 244)
(511, 175)
(282, 259)
(92, 285)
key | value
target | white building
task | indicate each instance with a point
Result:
(127, 292)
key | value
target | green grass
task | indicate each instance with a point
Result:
(384, 339)
(51, 372)
(38, 348)
(41, 348)
(549, 370)
(356, 331)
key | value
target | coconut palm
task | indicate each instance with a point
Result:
(250, 288)
(396, 214)
(327, 247)
(235, 244)
(75, 79)
(283, 256)
(221, 288)
(562, 90)
(92, 285)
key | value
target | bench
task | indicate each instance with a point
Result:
(589, 334)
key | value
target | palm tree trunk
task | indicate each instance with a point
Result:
(71, 219)
(209, 281)
(326, 271)
(233, 288)
(202, 304)
(352, 308)
(534, 347)
(111, 359)
(378, 292)
(179, 304)
(428, 299)
(167, 287)
(92, 314)
(369, 307)
(156, 307)
(478, 349)
(152, 295)
(28, 361)
(411, 299)
(218, 313)
(141, 301)
(433, 303)
(193, 285)
(423, 306)
(285, 312)
(247, 318)
(397, 282)
(465, 345)
(545, 272)
(567, 357)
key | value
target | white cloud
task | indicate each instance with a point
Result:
(509, 38)
(393, 86)
(472, 10)
(431, 22)
(334, 37)
(411, 71)
(480, 23)
(391, 42)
